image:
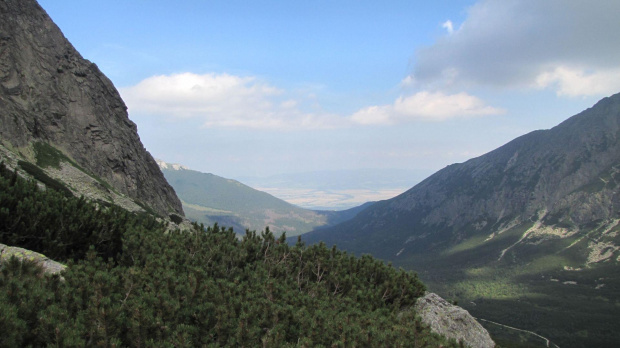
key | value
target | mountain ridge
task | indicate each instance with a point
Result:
(487, 176)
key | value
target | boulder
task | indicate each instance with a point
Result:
(49, 266)
(452, 321)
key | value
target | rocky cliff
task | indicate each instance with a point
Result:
(50, 94)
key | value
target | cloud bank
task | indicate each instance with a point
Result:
(425, 106)
(223, 100)
(567, 45)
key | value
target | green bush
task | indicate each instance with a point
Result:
(177, 219)
(57, 224)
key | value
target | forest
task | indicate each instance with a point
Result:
(133, 281)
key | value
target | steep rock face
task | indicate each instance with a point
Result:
(49, 93)
(452, 321)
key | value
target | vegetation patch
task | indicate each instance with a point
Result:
(146, 208)
(206, 209)
(467, 244)
(498, 288)
(48, 181)
(177, 219)
(535, 293)
(55, 223)
(480, 272)
(48, 156)
(544, 264)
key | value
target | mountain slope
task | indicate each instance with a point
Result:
(542, 173)
(535, 209)
(209, 198)
(52, 96)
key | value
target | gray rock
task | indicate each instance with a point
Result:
(49, 266)
(452, 321)
(49, 93)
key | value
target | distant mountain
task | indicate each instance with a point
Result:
(209, 198)
(61, 113)
(537, 217)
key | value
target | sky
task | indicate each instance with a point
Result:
(258, 88)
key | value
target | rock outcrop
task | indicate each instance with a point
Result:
(50, 94)
(452, 321)
(49, 266)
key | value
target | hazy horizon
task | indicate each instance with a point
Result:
(329, 190)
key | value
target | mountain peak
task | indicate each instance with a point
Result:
(172, 166)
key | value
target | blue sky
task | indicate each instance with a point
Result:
(247, 88)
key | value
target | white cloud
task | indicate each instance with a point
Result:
(448, 26)
(221, 100)
(374, 115)
(574, 82)
(512, 43)
(425, 106)
(407, 82)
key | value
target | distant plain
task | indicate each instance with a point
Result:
(317, 199)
